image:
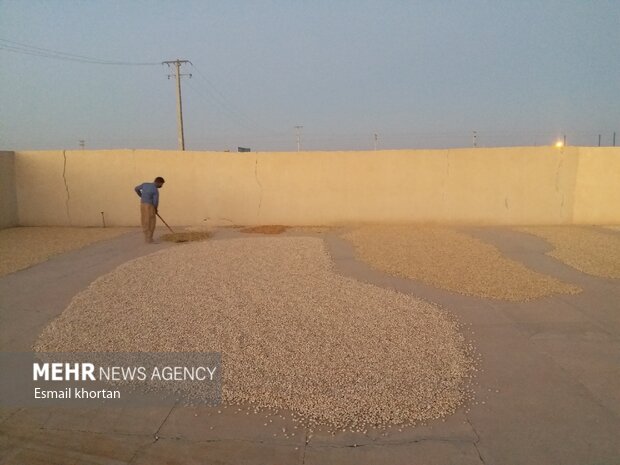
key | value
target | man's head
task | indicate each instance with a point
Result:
(159, 181)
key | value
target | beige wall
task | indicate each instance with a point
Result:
(519, 185)
(597, 190)
(8, 198)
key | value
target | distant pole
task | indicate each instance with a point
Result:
(599, 140)
(376, 140)
(564, 140)
(475, 138)
(298, 128)
(82, 143)
(180, 108)
(177, 74)
(614, 138)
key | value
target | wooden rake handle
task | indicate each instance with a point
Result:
(164, 221)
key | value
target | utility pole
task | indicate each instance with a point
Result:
(614, 144)
(376, 140)
(475, 139)
(82, 143)
(177, 64)
(298, 137)
(599, 140)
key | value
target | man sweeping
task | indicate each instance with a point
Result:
(149, 201)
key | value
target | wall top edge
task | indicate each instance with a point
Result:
(444, 150)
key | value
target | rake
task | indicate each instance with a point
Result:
(164, 221)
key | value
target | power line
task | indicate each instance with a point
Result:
(209, 99)
(225, 103)
(25, 49)
(235, 117)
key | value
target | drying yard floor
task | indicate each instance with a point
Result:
(595, 251)
(22, 247)
(451, 260)
(547, 389)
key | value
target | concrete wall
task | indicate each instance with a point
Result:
(597, 189)
(520, 185)
(8, 198)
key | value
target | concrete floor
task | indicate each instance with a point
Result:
(548, 390)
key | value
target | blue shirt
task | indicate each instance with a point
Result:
(148, 193)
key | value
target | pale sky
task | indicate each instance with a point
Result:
(419, 74)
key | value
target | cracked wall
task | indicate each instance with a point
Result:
(500, 186)
(40, 189)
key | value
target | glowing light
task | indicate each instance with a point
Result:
(559, 143)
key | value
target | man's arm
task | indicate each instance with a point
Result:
(138, 190)
(156, 200)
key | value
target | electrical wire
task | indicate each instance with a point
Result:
(234, 117)
(222, 101)
(25, 49)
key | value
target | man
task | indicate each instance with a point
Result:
(149, 201)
